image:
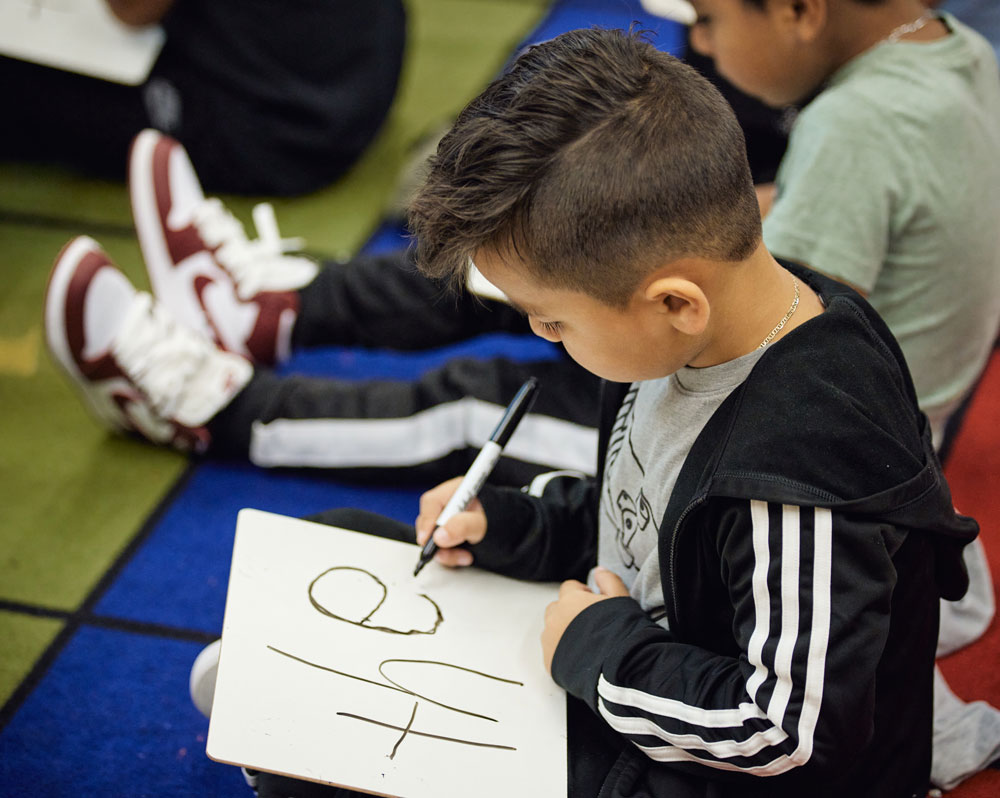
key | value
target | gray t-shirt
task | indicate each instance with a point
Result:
(656, 426)
(891, 182)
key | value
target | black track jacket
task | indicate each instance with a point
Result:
(805, 546)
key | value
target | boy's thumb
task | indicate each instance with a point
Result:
(609, 583)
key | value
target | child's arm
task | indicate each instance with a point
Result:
(545, 537)
(789, 683)
(834, 214)
(574, 598)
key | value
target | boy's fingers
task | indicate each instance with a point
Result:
(572, 586)
(466, 527)
(446, 537)
(463, 528)
(609, 583)
(420, 525)
(432, 502)
(454, 558)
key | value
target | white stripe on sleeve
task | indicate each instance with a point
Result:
(685, 727)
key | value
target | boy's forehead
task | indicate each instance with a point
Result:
(510, 275)
(493, 259)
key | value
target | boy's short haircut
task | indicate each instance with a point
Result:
(593, 160)
(763, 3)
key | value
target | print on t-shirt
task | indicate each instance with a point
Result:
(629, 512)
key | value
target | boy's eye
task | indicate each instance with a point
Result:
(550, 326)
(702, 20)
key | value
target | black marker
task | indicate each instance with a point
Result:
(481, 466)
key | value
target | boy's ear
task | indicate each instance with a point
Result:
(681, 301)
(808, 17)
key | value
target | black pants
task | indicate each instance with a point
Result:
(267, 96)
(427, 429)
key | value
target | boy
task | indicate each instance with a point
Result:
(771, 523)
(772, 527)
(890, 184)
(635, 512)
(871, 141)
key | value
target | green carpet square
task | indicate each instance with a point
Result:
(71, 494)
(25, 638)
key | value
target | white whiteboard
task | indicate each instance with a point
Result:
(321, 679)
(79, 36)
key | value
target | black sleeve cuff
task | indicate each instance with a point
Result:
(591, 639)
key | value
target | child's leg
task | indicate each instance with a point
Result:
(383, 301)
(255, 297)
(143, 372)
(429, 429)
(367, 522)
(69, 119)
(270, 785)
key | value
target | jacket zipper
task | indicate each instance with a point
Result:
(673, 552)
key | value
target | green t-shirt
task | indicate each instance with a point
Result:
(891, 182)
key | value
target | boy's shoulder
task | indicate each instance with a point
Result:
(831, 406)
(836, 353)
(903, 78)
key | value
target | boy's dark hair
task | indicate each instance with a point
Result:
(763, 3)
(594, 159)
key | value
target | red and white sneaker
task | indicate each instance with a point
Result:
(138, 369)
(243, 293)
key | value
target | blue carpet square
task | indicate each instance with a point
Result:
(113, 718)
(179, 576)
(573, 14)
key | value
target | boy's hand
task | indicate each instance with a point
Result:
(574, 598)
(466, 527)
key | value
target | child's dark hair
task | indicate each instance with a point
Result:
(763, 3)
(595, 158)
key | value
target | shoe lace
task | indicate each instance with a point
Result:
(248, 261)
(159, 354)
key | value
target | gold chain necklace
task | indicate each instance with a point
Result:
(785, 318)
